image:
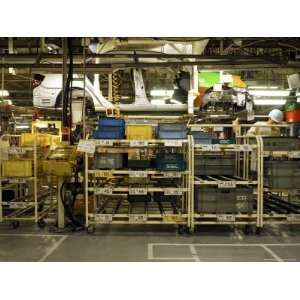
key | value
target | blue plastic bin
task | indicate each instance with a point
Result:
(111, 122)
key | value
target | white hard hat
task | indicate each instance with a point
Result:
(276, 115)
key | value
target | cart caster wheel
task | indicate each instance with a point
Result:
(182, 229)
(247, 230)
(90, 229)
(15, 224)
(258, 230)
(41, 223)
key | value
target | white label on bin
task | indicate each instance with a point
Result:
(173, 143)
(86, 146)
(103, 191)
(17, 180)
(294, 154)
(293, 217)
(244, 148)
(226, 218)
(241, 197)
(215, 147)
(227, 184)
(16, 150)
(172, 174)
(137, 218)
(172, 192)
(196, 129)
(138, 143)
(104, 142)
(206, 147)
(17, 205)
(138, 174)
(137, 191)
(103, 218)
(218, 129)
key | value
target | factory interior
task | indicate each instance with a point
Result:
(166, 141)
(133, 159)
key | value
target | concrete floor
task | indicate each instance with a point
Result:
(138, 243)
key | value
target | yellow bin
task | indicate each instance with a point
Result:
(57, 168)
(139, 132)
(42, 139)
(17, 168)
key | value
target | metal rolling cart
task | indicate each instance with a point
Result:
(157, 197)
(20, 169)
(281, 183)
(225, 189)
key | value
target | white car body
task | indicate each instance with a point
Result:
(46, 94)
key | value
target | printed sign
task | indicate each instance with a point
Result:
(86, 146)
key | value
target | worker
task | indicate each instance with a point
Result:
(262, 128)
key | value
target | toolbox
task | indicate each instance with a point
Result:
(170, 162)
(139, 198)
(17, 168)
(139, 132)
(214, 164)
(172, 131)
(281, 143)
(109, 160)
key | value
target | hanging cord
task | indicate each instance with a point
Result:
(116, 83)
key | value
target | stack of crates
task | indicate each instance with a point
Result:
(139, 158)
(110, 128)
(213, 200)
(172, 131)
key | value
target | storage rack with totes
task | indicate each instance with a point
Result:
(281, 163)
(138, 180)
(224, 190)
(22, 191)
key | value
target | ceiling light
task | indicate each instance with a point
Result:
(4, 93)
(161, 93)
(269, 101)
(258, 87)
(268, 93)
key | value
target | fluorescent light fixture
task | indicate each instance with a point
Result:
(269, 101)
(258, 87)
(125, 97)
(161, 93)
(157, 102)
(265, 93)
(4, 93)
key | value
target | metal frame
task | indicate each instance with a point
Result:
(23, 205)
(233, 219)
(140, 213)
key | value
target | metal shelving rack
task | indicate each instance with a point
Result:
(244, 151)
(109, 200)
(30, 194)
(292, 210)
